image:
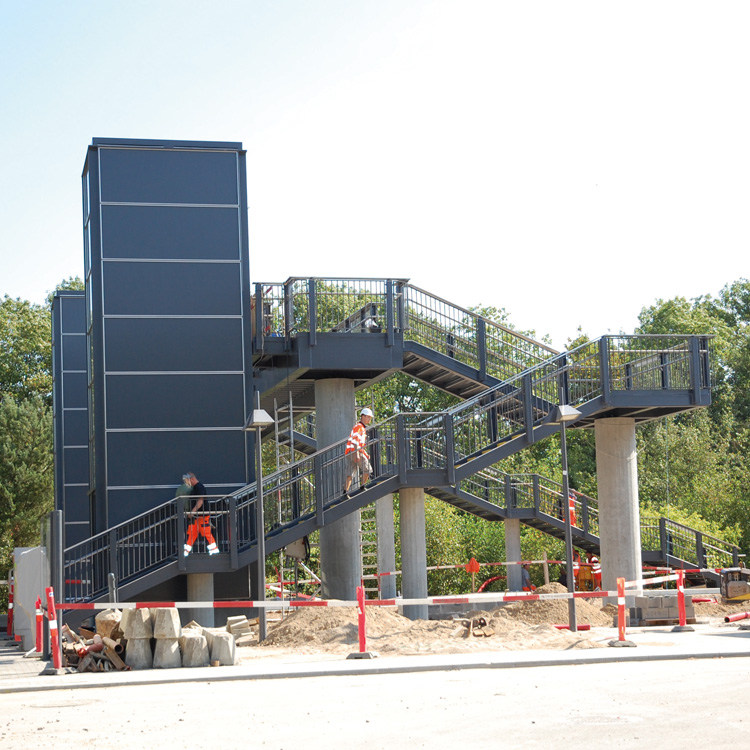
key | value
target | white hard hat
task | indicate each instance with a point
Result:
(366, 412)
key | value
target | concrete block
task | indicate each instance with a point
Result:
(233, 622)
(656, 614)
(166, 623)
(138, 654)
(656, 602)
(167, 654)
(222, 649)
(642, 602)
(194, 648)
(139, 624)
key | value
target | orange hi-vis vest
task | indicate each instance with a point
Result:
(357, 440)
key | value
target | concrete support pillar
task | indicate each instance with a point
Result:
(617, 491)
(200, 588)
(513, 552)
(386, 546)
(413, 551)
(340, 558)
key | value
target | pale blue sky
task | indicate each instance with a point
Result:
(488, 151)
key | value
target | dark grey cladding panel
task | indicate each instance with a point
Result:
(170, 232)
(75, 533)
(73, 313)
(74, 352)
(173, 344)
(76, 504)
(143, 288)
(75, 427)
(74, 390)
(161, 458)
(168, 176)
(174, 401)
(76, 467)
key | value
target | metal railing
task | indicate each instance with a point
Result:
(388, 306)
(409, 442)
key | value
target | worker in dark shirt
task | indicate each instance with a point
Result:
(200, 520)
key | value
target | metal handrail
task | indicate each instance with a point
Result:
(403, 443)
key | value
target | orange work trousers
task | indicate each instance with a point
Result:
(202, 526)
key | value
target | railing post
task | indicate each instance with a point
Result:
(450, 457)
(318, 470)
(259, 333)
(584, 513)
(403, 449)
(537, 492)
(233, 533)
(113, 566)
(695, 369)
(604, 372)
(700, 550)
(666, 371)
(313, 308)
(389, 313)
(181, 565)
(528, 414)
(288, 310)
(402, 319)
(482, 348)
(735, 557)
(508, 492)
(705, 359)
(663, 541)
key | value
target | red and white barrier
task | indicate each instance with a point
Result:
(621, 609)
(53, 632)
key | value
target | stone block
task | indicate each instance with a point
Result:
(167, 654)
(222, 649)
(194, 648)
(139, 624)
(138, 654)
(166, 623)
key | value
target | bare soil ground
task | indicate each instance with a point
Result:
(516, 626)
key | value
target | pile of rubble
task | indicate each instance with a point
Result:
(151, 638)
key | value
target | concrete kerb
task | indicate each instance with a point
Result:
(696, 645)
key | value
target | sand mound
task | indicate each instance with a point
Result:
(517, 626)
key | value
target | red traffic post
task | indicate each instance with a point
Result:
(621, 641)
(363, 653)
(53, 632)
(39, 624)
(736, 617)
(683, 627)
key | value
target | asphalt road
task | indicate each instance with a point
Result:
(659, 704)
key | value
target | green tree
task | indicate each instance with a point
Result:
(26, 473)
(26, 346)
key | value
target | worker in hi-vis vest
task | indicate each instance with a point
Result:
(356, 455)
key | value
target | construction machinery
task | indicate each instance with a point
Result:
(734, 584)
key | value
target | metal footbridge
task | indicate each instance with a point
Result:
(309, 329)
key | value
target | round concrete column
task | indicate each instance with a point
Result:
(386, 546)
(413, 551)
(200, 588)
(619, 515)
(513, 553)
(340, 558)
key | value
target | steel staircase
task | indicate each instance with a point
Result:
(515, 385)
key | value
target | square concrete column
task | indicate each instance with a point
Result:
(513, 553)
(340, 556)
(413, 551)
(619, 514)
(386, 546)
